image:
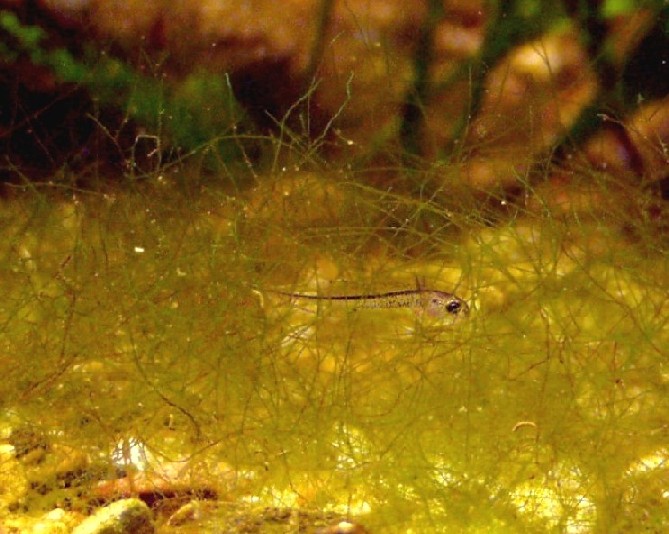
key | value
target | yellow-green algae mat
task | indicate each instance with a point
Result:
(137, 336)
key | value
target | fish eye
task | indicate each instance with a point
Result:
(454, 307)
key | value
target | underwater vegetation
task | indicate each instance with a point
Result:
(424, 294)
(137, 342)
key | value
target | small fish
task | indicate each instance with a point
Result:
(435, 303)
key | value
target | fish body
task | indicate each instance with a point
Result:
(435, 303)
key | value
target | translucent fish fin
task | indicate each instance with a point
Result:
(420, 282)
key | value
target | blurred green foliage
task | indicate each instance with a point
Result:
(196, 112)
